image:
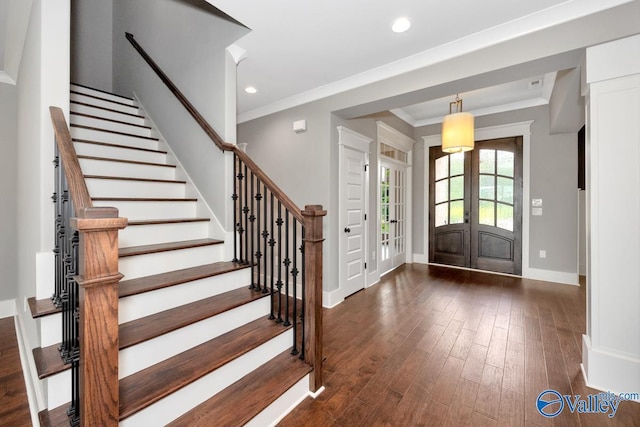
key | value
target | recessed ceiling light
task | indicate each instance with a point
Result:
(250, 89)
(401, 25)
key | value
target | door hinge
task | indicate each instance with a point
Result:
(365, 265)
(365, 217)
(365, 167)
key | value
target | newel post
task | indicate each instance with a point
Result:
(313, 239)
(98, 280)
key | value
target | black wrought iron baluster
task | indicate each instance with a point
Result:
(255, 235)
(279, 223)
(234, 197)
(303, 296)
(239, 227)
(286, 263)
(272, 243)
(294, 274)
(265, 237)
(252, 234)
(245, 211)
(57, 230)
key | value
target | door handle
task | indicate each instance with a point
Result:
(393, 221)
(347, 230)
(466, 217)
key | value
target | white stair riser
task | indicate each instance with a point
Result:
(96, 150)
(137, 306)
(104, 103)
(122, 188)
(137, 235)
(176, 404)
(101, 112)
(113, 138)
(51, 330)
(58, 389)
(143, 355)
(100, 94)
(277, 410)
(128, 170)
(155, 210)
(162, 262)
(109, 125)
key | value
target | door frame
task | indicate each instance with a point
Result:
(396, 139)
(358, 142)
(492, 132)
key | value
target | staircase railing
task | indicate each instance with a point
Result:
(281, 242)
(86, 286)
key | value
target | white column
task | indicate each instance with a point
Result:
(611, 346)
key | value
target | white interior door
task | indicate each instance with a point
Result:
(352, 212)
(393, 215)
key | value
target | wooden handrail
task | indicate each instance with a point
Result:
(225, 146)
(69, 158)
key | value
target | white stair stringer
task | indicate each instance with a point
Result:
(185, 399)
(148, 353)
(278, 409)
(136, 306)
(162, 262)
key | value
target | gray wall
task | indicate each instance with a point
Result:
(91, 43)
(554, 179)
(188, 43)
(8, 191)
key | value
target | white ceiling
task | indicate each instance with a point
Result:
(299, 51)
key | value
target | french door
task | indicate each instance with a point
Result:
(475, 206)
(393, 215)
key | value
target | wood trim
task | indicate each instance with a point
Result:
(69, 158)
(98, 281)
(313, 239)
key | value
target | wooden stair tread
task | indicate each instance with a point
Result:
(42, 307)
(48, 361)
(75, 92)
(103, 91)
(164, 247)
(106, 109)
(163, 280)
(135, 162)
(246, 398)
(146, 387)
(56, 417)
(122, 178)
(165, 221)
(132, 135)
(146, 328)
(91, 116)
(110, 144)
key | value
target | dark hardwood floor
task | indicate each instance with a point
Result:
(436, 346)
(428, 346)
(14, 406)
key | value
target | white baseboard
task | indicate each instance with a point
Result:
(551, 276)
(35, 395)
(7, 308)
(420, 259)
(332, 298)
(607, 371)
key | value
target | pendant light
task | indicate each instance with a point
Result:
(457, 129)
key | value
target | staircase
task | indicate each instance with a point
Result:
(196, 343)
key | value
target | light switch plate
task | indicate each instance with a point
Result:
(536, 211)
(536, 202)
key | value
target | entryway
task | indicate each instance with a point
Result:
(475, 206)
